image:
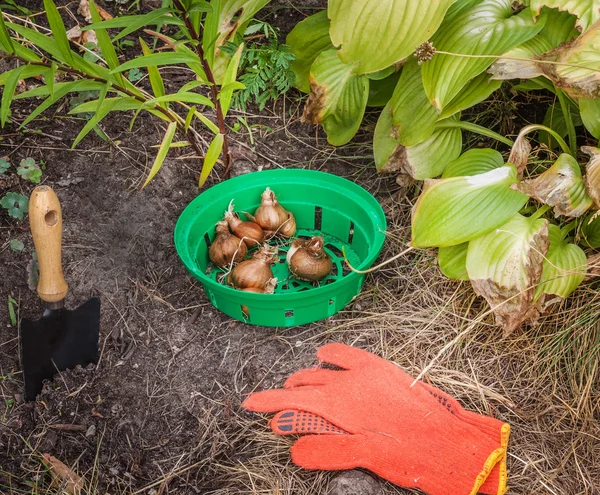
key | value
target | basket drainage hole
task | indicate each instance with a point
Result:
(207, 239)
(289, 313)
(285, 287)
(318, 217)
(351, 233)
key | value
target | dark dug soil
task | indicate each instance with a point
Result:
(160, 413)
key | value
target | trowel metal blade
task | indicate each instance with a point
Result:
(61, 339)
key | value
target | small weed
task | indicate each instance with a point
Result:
(16, 245)
(135, 75)
(4, 166)
(16, 204)
(29, 170)
(264, 66)
(12, 304)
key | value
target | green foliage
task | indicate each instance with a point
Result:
(449, 57)
(12, 304)
(265, 67)
(105, 84)
(4, 166)
(15, 204)
(29, 170)
(16, 245)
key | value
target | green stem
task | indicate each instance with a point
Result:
(540, 212)
(477, 129)
(564, 105)
(568, 228)
(555, 135)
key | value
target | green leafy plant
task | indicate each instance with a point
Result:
(265, 67)
(202, 28)
(4, 166)
(12, 304)
(489, 217)
(29, 170)
(16, 245)
(15, 204)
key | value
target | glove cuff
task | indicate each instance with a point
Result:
(496, 458)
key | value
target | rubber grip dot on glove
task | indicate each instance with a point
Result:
(292, 422)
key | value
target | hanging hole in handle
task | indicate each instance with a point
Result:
(51, 218)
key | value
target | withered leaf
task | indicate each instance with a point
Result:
(592, 174)
(519, 154)
(68, 479)
(561, 186)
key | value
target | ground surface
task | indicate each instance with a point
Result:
(161, 411)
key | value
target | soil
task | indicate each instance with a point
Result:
(160, 412)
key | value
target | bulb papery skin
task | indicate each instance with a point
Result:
(270, 215)
(296, 244)
(226, 248)
(310, 262)
(250, 232)
(255, 272)
(288, 228)
(269, 288)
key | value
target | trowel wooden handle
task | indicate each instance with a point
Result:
(45, 219)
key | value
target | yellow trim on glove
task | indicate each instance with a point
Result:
(497, 456)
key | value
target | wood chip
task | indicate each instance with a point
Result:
(69, 480)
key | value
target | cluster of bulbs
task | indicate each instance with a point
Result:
(306, 258)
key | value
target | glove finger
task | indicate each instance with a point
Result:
(330, 452)
(488, 425)
(346, 356)
(292, 422)
(303, 398)
(311, 376)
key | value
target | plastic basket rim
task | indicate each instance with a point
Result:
(207, 282)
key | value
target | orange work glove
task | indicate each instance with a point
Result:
(380, 422)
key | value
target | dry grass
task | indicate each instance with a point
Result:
(544, 381)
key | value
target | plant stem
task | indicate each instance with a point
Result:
(540, 212)
(477, 129)
(564, 105)
(568, 228)
(555, 135)
(213, 86)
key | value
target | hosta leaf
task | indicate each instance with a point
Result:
(453, 261)
(381, 90)
(376, 34)
(507, 67)
(338, 98)
(505, 266)
(420, 161)
(561, 186)
(590, 115)
(574, 66)
(564, 267)
(488, 27)
(474, 162)
(413, 116)
(592, 174)
(477, 89)
(559, 27)
(307, 40)
(586, 11)
(519, 153)
(590, 231)
(459, 209)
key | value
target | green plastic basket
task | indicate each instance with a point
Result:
(344, 213)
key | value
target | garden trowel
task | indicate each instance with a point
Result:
(61, 339)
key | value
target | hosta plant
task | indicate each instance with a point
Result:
(66, 67)
(510, 228)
